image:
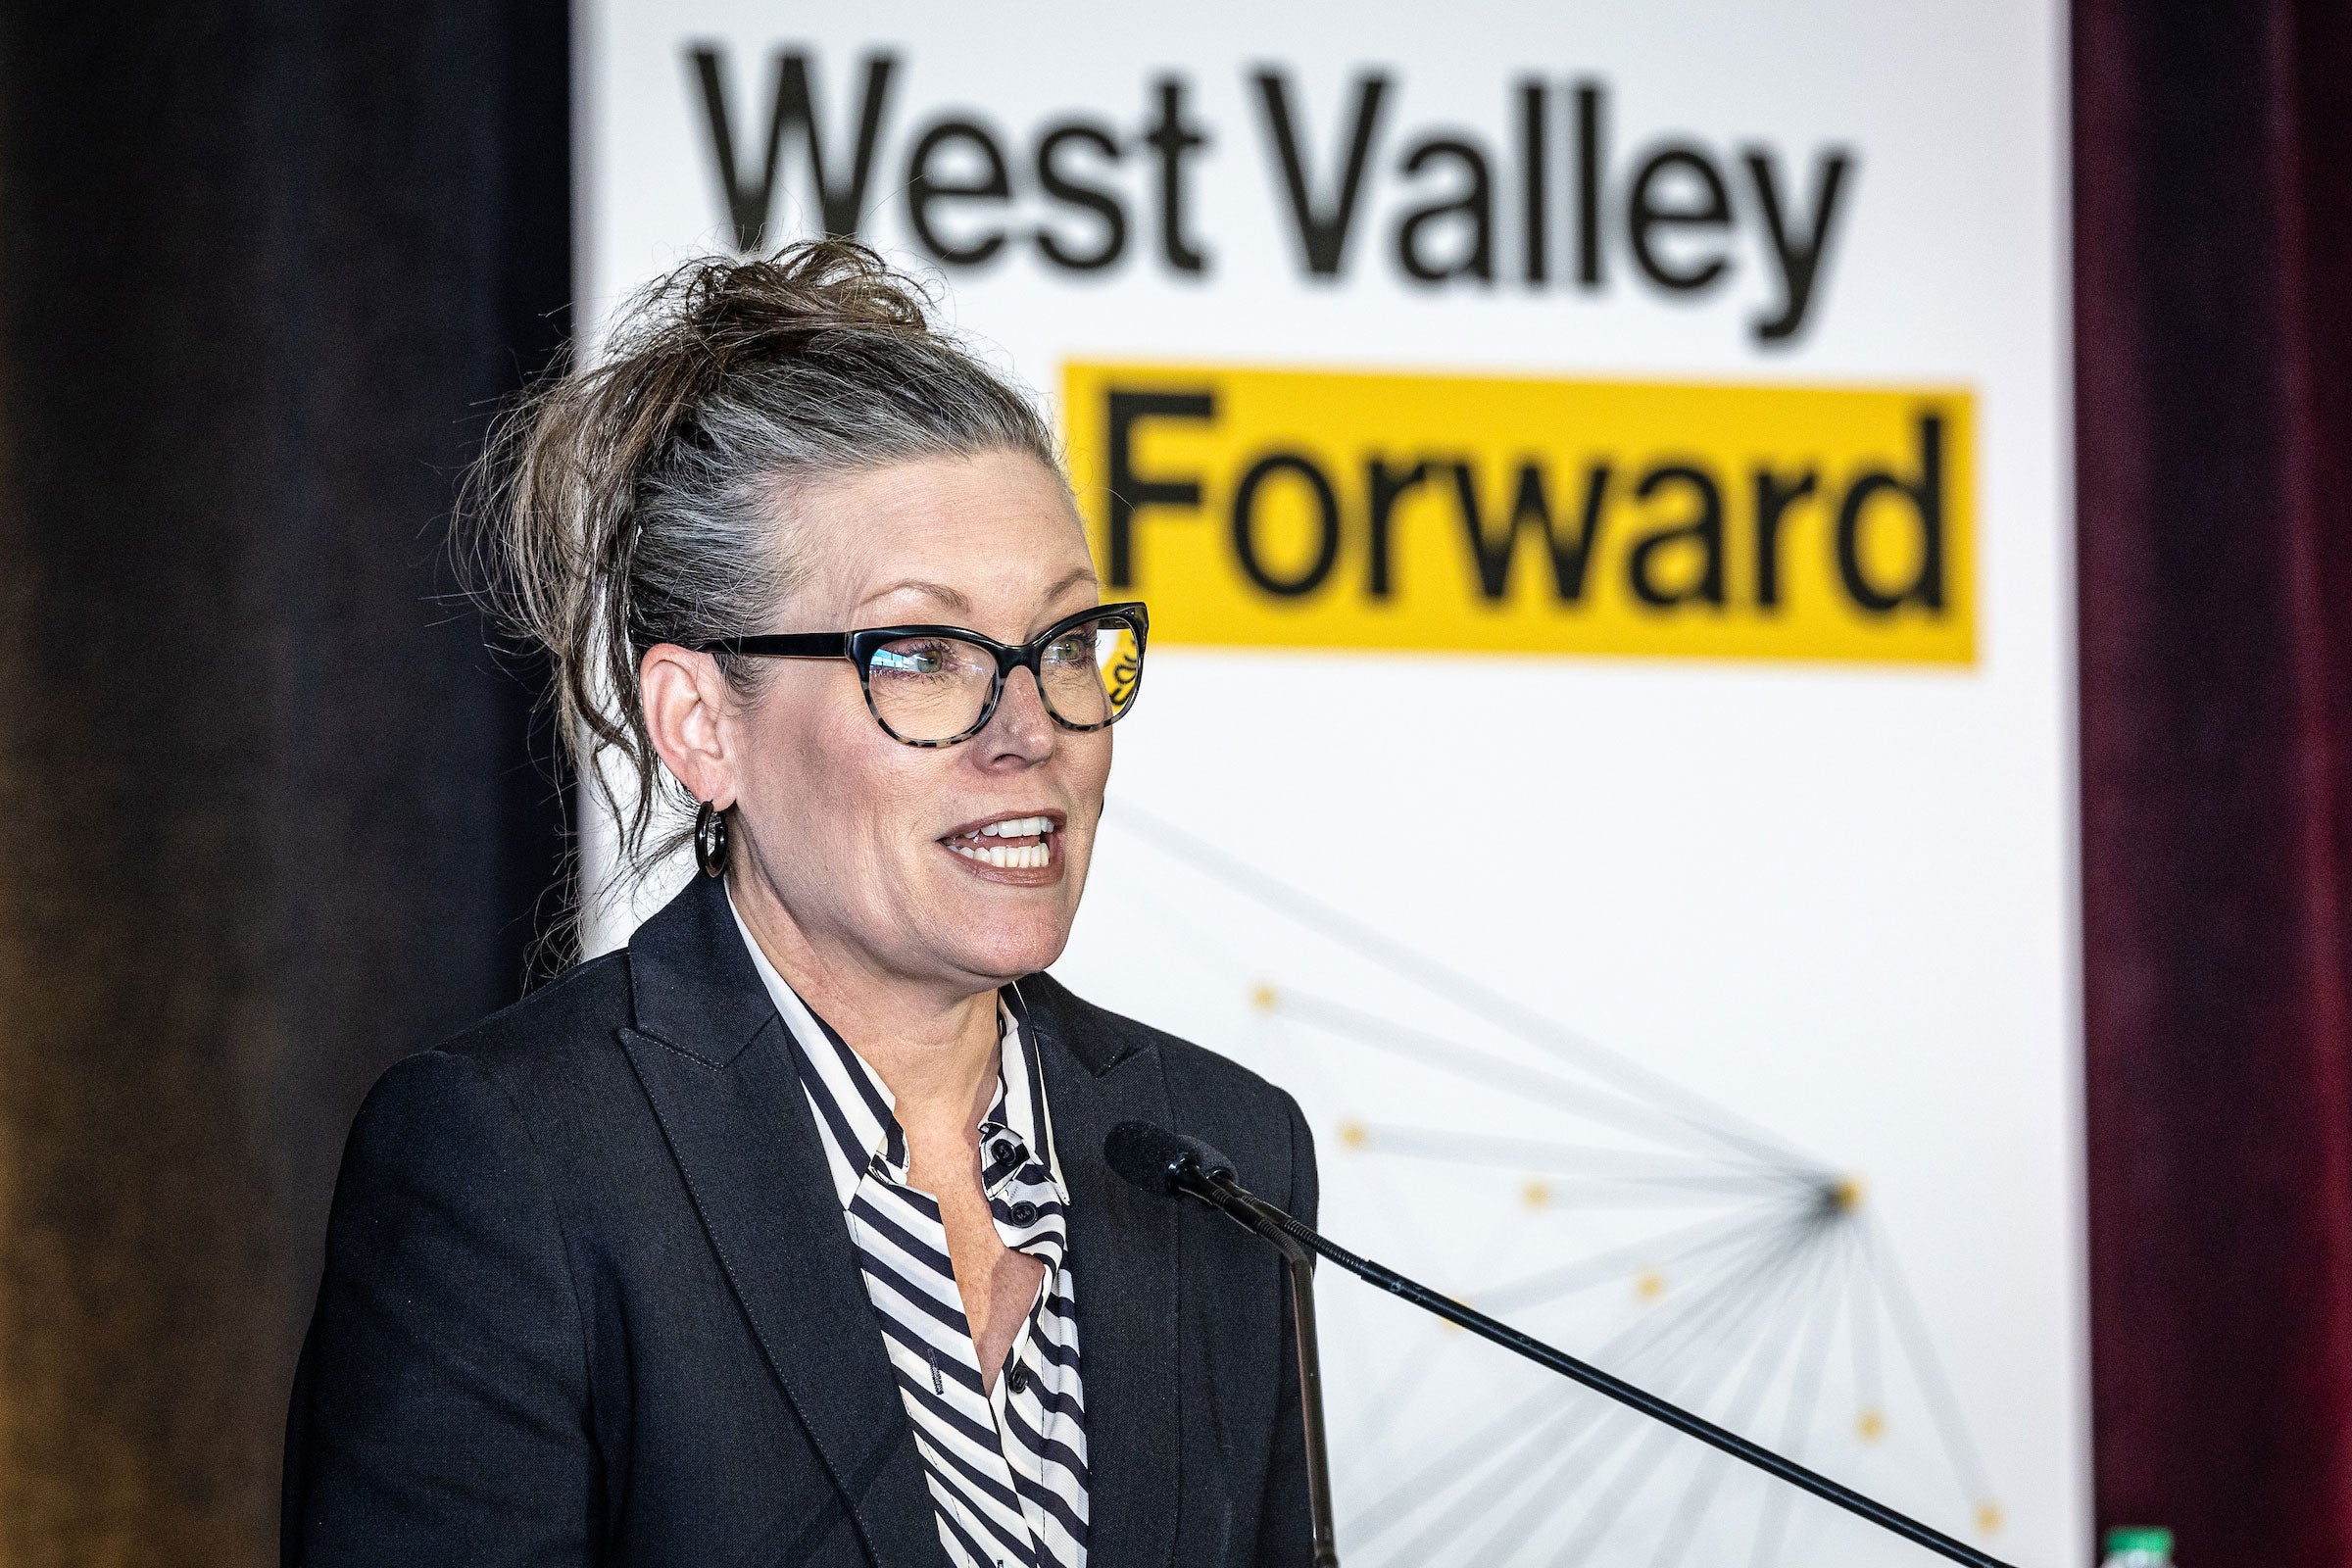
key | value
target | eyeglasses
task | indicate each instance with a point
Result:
(939, 685)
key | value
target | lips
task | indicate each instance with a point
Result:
(1007, 843)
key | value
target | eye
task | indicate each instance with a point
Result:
(1072, 647)
(910, 658)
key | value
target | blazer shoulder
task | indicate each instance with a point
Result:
(585, 1005)
(1101, 1037)
(549, 1067)
(1210, 1093)
(555, 1056)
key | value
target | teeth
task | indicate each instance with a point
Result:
(973, 845)
(1008, 857)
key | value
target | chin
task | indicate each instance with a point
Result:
(1013, 959)
(1004, 948)
(1003, 924)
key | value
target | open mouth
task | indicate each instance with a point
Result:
(1015, 844)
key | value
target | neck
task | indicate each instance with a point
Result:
(934, 1045)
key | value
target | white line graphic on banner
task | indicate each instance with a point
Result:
(1736, 1275)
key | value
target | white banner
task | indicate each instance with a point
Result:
(1600, 479)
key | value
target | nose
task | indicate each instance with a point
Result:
(1020, 733)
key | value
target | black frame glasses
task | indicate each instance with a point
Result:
(860, 647)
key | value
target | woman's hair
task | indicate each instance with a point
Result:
(650, 498)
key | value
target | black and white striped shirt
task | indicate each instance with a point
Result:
(1006, 1467)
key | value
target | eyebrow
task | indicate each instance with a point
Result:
(1081, 574)
(954, 599)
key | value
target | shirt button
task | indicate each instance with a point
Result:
(1000, 1150)
(1023, 1212)
(1018, 1383)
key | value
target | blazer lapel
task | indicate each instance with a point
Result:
(1123, 1247)
(710, 1050)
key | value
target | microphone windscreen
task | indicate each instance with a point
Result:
(1145, 1156)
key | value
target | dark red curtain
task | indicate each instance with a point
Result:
(2213, 205)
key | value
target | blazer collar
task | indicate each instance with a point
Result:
(711, 1052)
(691, 980)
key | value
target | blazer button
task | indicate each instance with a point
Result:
(1000, 1150)
(1018, 1383)
(1023, 1212)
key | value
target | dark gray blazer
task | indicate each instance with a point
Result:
(590, 1298)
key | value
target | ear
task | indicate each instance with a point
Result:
(685, 704)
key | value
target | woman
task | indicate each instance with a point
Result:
(785, 1235)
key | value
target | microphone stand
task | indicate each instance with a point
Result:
(1299, 1245)
(1270, 1222)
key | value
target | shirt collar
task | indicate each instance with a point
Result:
(1020, 1111)
(858, 1112)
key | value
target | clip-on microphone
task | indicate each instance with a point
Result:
(1161, 1161)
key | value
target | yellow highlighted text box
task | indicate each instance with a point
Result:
(1269, 508)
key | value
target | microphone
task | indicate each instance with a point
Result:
(1170, 1163)
(1158, 1161)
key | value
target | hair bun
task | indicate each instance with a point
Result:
(770, 306)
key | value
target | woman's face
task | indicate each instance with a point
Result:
(860, 835)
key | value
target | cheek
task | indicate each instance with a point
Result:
(887, 806)
(1086, 775)
(815, 766)
(1089, 767)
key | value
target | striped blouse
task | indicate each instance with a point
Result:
(1006, 1467)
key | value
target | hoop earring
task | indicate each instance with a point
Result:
(711, 840)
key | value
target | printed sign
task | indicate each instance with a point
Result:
(1599, 480)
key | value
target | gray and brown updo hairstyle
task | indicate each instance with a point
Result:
(651, 497)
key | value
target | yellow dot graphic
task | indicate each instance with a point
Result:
(1263, 997)
(1847, 1194)
(1870, 1425)
(1988, 1518)
(1535, 1194)
(1352, 1135)
(1650, 1285)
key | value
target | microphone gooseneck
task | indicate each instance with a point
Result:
(1161, 1161)
(1171, 1166)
